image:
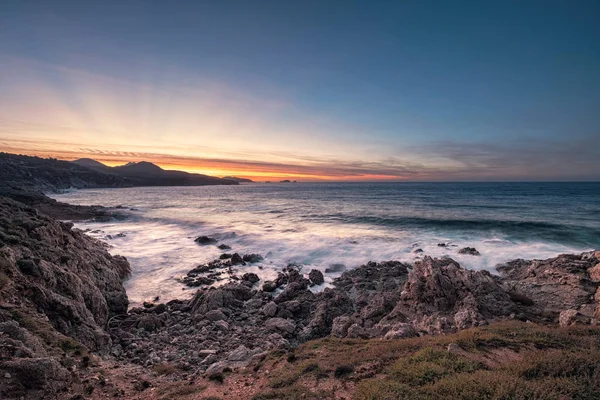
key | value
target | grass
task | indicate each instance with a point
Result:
(164, 369)
(510, 360)
(177, 390)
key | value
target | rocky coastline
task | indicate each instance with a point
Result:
(64, 312)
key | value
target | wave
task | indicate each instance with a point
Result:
(513, 229)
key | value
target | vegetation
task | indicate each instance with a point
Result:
(510, 360)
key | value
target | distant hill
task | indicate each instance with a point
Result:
(48, 174)
(239, 180)
(90, 163)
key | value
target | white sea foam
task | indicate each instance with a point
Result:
(158, 237)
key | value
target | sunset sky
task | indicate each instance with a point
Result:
(324, 90)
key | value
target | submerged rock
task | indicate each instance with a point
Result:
(205, 240)
(469, 250)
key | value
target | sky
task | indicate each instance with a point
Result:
(308, 90)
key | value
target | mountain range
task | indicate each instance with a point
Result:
(49, 174)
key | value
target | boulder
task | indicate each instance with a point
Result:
(215, 315)
(250, 277)
(236, 259)
(270, 309)
(269, 286)
(316, 277)
(280, 324)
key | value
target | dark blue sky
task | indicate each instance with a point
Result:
(479, 85)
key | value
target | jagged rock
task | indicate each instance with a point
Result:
(567, 318)
(231, 295)
(553, 285)
(70, 277)
(250, 277)
(469, 250)
(280, 324)
(594, 273)
(270, 309)
(440, 296)
(224, 247)
(355, 331)
(316, 277)
(340, 325)
(236, 259)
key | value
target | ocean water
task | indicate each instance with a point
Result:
(321, 224)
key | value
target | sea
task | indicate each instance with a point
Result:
(320, 225)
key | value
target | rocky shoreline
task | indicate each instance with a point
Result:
(63, 306)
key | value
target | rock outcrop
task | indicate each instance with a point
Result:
(546, 288)
(58, 289)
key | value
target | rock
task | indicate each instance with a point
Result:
(215, 315)
(567, 318)
(355, 331)
(280, 324)
(594, 273)
(316, 277)
(469, 250)
(203, 240)
(252, 258)
(222, 325)
(230, 296)
(401, 331)
(250, 277)
(340, 325)
(335, 268)
(70, 278)
(236, 259)
(270, 309)
(417, 251)
(241, 353)
(440, 296)
(552, 285)
(269, 286)
(224, 247)
(149, 323)
(441, 244)
(293, 290)
(225, 256)
(34, 374)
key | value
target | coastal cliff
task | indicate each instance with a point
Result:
(58, 290)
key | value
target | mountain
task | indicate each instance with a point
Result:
(239, 180)
(90, 163)
(49, 174)
(142, 168)
(145, 173)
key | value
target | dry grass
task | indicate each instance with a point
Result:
(541, 363)
(179, 390)
(164, 369)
